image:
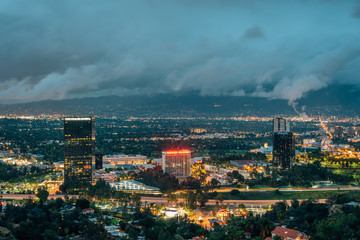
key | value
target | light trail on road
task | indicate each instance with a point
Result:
(247, 203)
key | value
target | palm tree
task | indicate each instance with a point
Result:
(266, 227)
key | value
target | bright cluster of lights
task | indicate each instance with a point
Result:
(172, 152)
(77, 119)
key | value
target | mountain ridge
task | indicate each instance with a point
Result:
(331, 101)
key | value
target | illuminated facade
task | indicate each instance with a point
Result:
(177, 162)
(281, 125)
(124, 159)
(79, 151)
(283, 149)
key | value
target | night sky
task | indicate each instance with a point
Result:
(55, 49)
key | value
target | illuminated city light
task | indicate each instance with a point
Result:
(178, 152)
(78, 119)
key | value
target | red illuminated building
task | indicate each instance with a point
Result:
(177, 162)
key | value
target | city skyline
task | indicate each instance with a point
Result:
(235, 178)
(215, 119)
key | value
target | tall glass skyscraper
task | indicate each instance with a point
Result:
(281, 125)
(79, 151)
(283, 149)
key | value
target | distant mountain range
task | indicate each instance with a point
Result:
(337, 100)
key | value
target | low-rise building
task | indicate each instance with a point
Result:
(107, 177)
(124, 159)
(210, 168)
(115, 231)
(132, 185)
(289, 234)
(222, 214)
(171, 212)
(87, 211)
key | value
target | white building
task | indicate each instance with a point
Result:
(124, 159)
(171, 212)
(210, 168)
(132, 185)
(115, 231)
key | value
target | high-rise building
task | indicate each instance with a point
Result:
(79, 149)
(98, 160)
(281, 125)
(283, 149)
(177, 162)
(351, 131)
(338, 132)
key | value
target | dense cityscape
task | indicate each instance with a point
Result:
(140, 178)
(179, 120)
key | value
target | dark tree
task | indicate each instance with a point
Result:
(82, 203)
(42, 194)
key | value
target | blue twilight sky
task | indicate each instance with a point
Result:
(51, 49)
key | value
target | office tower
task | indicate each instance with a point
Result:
(98, 161)
(283, 149)
(351, 131)
(281, 125)
(338, 132)
(177, 162)
(79, 147)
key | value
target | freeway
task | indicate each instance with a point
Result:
(223, 190)
(31, 196)
(294, 189)
(247, 203)
(160, 200)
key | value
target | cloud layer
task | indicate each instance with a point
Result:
(274, 49)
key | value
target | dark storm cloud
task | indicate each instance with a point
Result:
(254, 32)
(357, 12)
(65, 49)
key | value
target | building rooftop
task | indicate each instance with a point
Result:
(285, 233)
(175, 152)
